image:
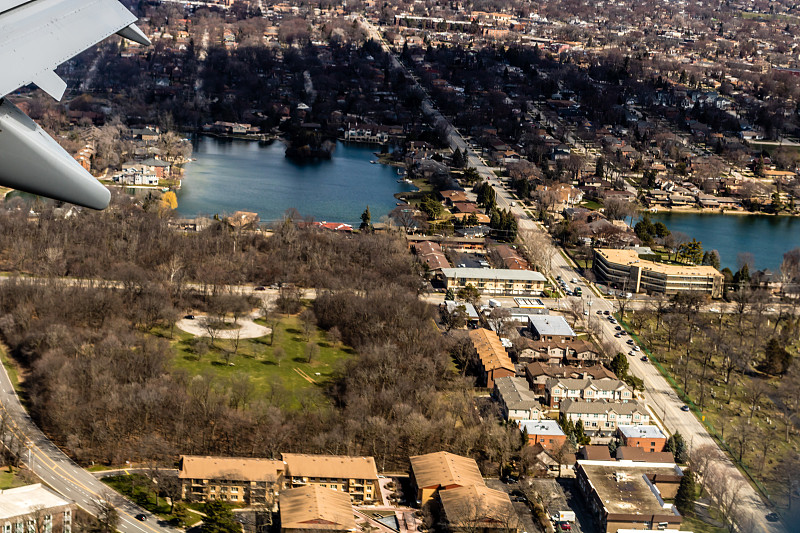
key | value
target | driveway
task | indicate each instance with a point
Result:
(247, 328)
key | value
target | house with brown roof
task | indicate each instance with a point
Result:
(356, 476)
(478, 508)
(510, 258)
(641, 455)
(431, 254)
(495, 362)
(230, 479)
(586, 390)
(440, 471)
(537, 374)
(313, 508)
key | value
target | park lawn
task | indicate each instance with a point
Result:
(10, 480)
(691, 523)
(256, 358)
(723, 417)
(137, 488)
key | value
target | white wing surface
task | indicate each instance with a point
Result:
(35, 37)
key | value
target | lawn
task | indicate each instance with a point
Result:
(698, 526)
(9, 480)
(293, 377)
(591, 204)
(137, 487)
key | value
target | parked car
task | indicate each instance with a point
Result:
(685, 408)
(565, 526)
(772, 517)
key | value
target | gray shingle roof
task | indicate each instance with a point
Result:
(493, 273)
(516, 394)
(602, 407)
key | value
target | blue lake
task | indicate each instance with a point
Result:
(231, 175)
(766, 237)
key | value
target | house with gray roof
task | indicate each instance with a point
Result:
(603, 417)
(550, 328)
(586, 389)
(516, 400)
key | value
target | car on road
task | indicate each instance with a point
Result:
(618, 328)
(612, 320)
(574, 280)
(643, 358)
(599, 312)
(772, 517)
(618, 335)
(636, 348)
(606, 313)
(261, 288)
(630, 341)
(631, 352)
(189, 317)
(141, 517)
(565, 526)
(586, 313)
(685, 408)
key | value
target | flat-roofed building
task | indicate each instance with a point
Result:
(495, 280)
(553, 328)
(34, 508)
(604, 417)
(478, 509)
(356, 476)
(648, 438)
(440, 471)
(516, 399)
(495, 362)
(230, 479)
(639, 455)
(621, 495)
(313, 508)
(547, 433)
(628, 271)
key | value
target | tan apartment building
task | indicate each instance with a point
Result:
(35, 508)
(440, 471)
(477, 508)
(312, 508)
(356, 476)
(237, 480)
(495, 362)
(603, 417)
(625, 269)
(493, 281)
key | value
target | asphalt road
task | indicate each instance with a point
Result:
(62, 474)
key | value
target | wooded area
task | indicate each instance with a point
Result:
(99, 376)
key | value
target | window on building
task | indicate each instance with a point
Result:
(48, 523)
(31, 526)
(67, 517)
(7, 528)
(234, 497)
(18, 527)
(234, 489)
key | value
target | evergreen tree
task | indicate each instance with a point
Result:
(219, 519)
(366, 220)
(599, 167)
(687, 493)
(458, 160)
(450, 294)
(677, 446)
(620, 365)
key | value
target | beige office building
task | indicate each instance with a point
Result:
(633, 274)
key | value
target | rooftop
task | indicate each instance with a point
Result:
(476, 502)
(585, 383)
(313, 507)
(230, 468)
(442, 469)
(631, 258)
(634, 453)
(541, 427)
(624, 489)
(551, 325)
(494, 274)
(602, 406)
(641, 432)
(515, 393)
(25, 500)
(490, 349)
(330, 466)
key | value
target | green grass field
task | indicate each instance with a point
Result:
(293, 374)
(138, 488)
(9, 480)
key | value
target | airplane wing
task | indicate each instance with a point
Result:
(35, 37)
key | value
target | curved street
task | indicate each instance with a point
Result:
(58, 471)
